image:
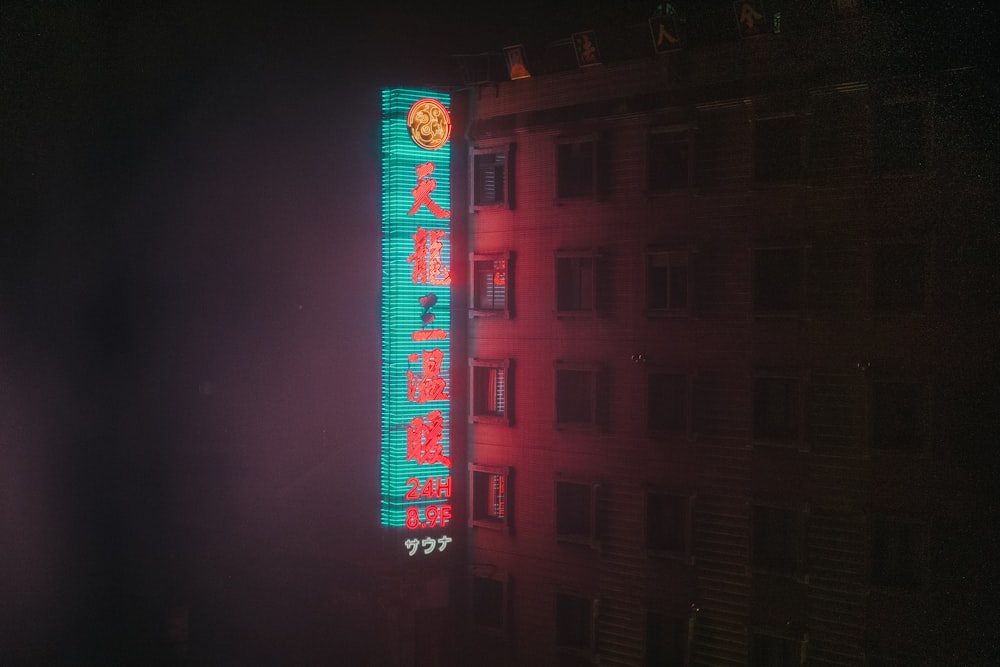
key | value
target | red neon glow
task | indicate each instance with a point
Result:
(430, 385)
(429, 334)
(422, 193)
(426, 258)
(433, 487)
(500, 499)
(423, 439)
(432, 516)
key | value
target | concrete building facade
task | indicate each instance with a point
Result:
(728, 374)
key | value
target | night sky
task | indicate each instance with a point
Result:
(189, 361)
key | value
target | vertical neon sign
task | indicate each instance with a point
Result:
(416, 318)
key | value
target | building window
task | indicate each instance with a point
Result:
(491, 279)
(777, 409)
(666, 640)
(898, 554)
(576, 511)
(902, 137)
(490, 496)
(668, 283)
(576, 282)
(846, 9)
(576, 168)
(899, 277)
(577, 391)
(778, 277)
(667, 402)
(668, 522)
(575, 623)
(777, 149)
(489, 603)
(898, 416)
(776, 539)
(492, 182)
(491, 391)
(669, 161)
(774, 650)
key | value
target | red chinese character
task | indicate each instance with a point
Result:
(422, 193)
(426, 258)
(423, 439)
(429, 385)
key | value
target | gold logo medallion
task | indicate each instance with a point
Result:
(429, 123)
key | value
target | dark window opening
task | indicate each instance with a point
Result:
(770, 651)
(901, 143)
(666, 640)
(488, 603)
(667, 402)
(574, 621)
(897, 555)
(576, 169)
(897, 415)
(575, 283)
(489, 179)
(667, 281)
(669, 161)
(777, 406)
(575, 397)
(899, 279)
(666, 522)
(775, 538)
(574, 509)
(778, 150)
(778, 274)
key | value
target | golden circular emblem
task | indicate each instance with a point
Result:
(429, 123)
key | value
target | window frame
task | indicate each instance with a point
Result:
(685, 620)
(687, 498)
(594, 190)
(486, 520)
(879, 125)
(920, 554)
(799, 516)
(589, 650)
(591, 536)
(503, 578)
(507, 151)
(923, 424)
(798, 638)
(800, 172)
(685, 428)
(874, 281)
(797, 439)
(475, 308)
(683, 134)
(476, 366)
(652, 253)
(593, 309)
(769, 310)
(598, 418)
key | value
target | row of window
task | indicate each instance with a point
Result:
(901, 145)
(898, 410)
(666, 636)
(899, 280)
(777, 536)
